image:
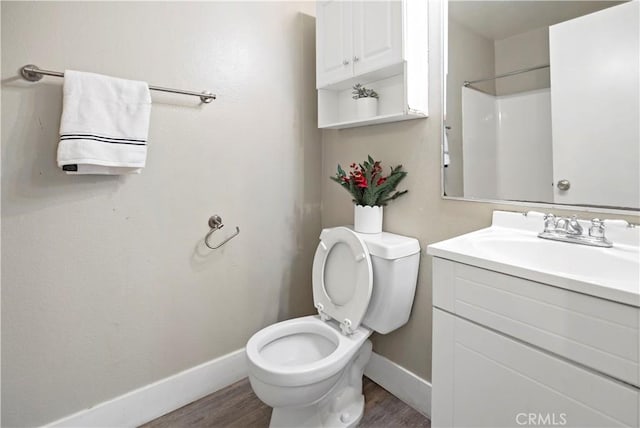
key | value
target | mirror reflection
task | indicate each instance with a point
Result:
(542, 102)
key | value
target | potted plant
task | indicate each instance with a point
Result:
(366, 101)
(371, 190)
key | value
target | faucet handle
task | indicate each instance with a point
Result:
(573, 226)
(597, 228)
(549, 222)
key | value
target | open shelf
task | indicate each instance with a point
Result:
(394, 117)
(365, 78)
(337, 109)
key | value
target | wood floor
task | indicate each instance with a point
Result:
(237, 406)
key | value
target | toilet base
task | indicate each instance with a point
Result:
(312, 417)
(342, 407)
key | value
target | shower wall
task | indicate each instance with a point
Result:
(507, 145)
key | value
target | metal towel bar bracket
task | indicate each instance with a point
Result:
(215, 223)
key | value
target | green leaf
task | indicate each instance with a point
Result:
(395, 196)
(373, 194)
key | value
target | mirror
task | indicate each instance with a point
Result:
(542, 102)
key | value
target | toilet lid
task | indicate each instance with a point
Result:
(342, 278)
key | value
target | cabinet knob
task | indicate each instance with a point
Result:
(345, 62)
(564, 184)
(356, 59)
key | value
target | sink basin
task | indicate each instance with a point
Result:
(511, 245)
(618, 266)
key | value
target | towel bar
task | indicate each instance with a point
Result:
(33, 73)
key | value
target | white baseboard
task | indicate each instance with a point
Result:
(149, 402)
(408, 387)
(154, 400)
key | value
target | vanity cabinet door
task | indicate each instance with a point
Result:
(597, 333)
(377, 35)
(484, 379)
(334, 45)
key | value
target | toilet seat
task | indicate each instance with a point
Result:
(342, 278)
(284, 374)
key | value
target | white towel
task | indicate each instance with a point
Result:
(445, 150)
(104, 124)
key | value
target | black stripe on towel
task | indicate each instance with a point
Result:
(102, 141)
(103, 137)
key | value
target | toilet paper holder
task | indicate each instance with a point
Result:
(215, 223)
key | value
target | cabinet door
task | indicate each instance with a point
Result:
(484, 379)
(377, 35)
(333, 42)
(596, 333)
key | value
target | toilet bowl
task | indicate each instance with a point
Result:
(310, 369)
(296, 363)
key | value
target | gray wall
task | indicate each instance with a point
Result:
(106, 285)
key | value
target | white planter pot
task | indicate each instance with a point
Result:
(367, 219)
(366, 107)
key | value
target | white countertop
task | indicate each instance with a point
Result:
(511, 246)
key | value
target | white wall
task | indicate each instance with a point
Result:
(106, 285)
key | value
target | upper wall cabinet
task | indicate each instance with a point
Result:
(380, 44)
(357, 37)
(334, 49)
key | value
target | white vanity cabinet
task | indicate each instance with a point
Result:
(509, 351)
(356, 37)
(380, 44)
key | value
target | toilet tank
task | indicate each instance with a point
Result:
(395, 260)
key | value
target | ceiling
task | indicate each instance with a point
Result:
(498, 20)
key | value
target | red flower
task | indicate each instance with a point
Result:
(359, 179)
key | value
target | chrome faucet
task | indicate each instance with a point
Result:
(569, 229)
(597, 228)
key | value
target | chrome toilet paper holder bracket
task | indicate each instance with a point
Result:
(215, 223)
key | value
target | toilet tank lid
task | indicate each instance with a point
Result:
(387, 245)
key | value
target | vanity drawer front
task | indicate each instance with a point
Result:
(597, 333)
(485, 379)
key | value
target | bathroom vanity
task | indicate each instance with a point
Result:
(530, 332)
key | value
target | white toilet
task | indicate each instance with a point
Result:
(310, 369)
